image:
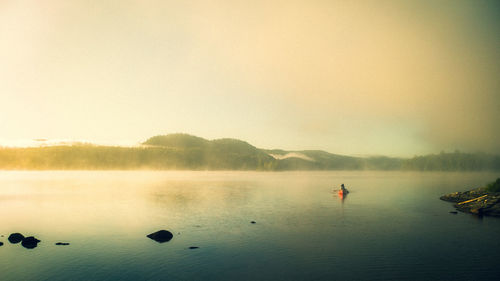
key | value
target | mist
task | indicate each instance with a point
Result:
(397, 78)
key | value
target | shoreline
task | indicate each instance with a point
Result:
(477, 201)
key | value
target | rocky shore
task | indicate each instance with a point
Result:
(478, 201)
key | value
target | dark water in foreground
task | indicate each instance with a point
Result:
(392, 226)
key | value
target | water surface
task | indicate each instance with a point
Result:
(392, 226)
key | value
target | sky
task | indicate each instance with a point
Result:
(396, 78)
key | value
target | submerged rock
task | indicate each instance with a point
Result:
(161, 236)
(1, 243)
(30, 242)
(193, 247)
(253, 222)
(62, 244)
(454, 212)
(15, 238)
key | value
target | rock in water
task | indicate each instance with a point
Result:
(161, 236)
(62, 244)
(476, 211)
(454, 212)
(478, 201)
(1, 243)
(15, 238)
(30, 242)
(253, 222)
(193, 247)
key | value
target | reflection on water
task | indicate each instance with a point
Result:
(390, 226)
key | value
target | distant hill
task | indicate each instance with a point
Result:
(187, 152)
(180, 141)
(220, 154)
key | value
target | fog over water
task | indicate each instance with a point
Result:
(391, 226)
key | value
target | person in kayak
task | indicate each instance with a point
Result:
(342, 187)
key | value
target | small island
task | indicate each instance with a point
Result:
(480, 201)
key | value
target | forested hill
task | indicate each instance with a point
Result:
(186, 152)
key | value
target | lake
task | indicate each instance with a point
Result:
(391, 226)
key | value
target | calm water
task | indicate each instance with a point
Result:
(392, 226)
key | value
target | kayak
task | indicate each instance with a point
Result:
(343, 192)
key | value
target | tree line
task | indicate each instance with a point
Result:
(184, 152)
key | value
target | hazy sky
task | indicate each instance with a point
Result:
(350, 77)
